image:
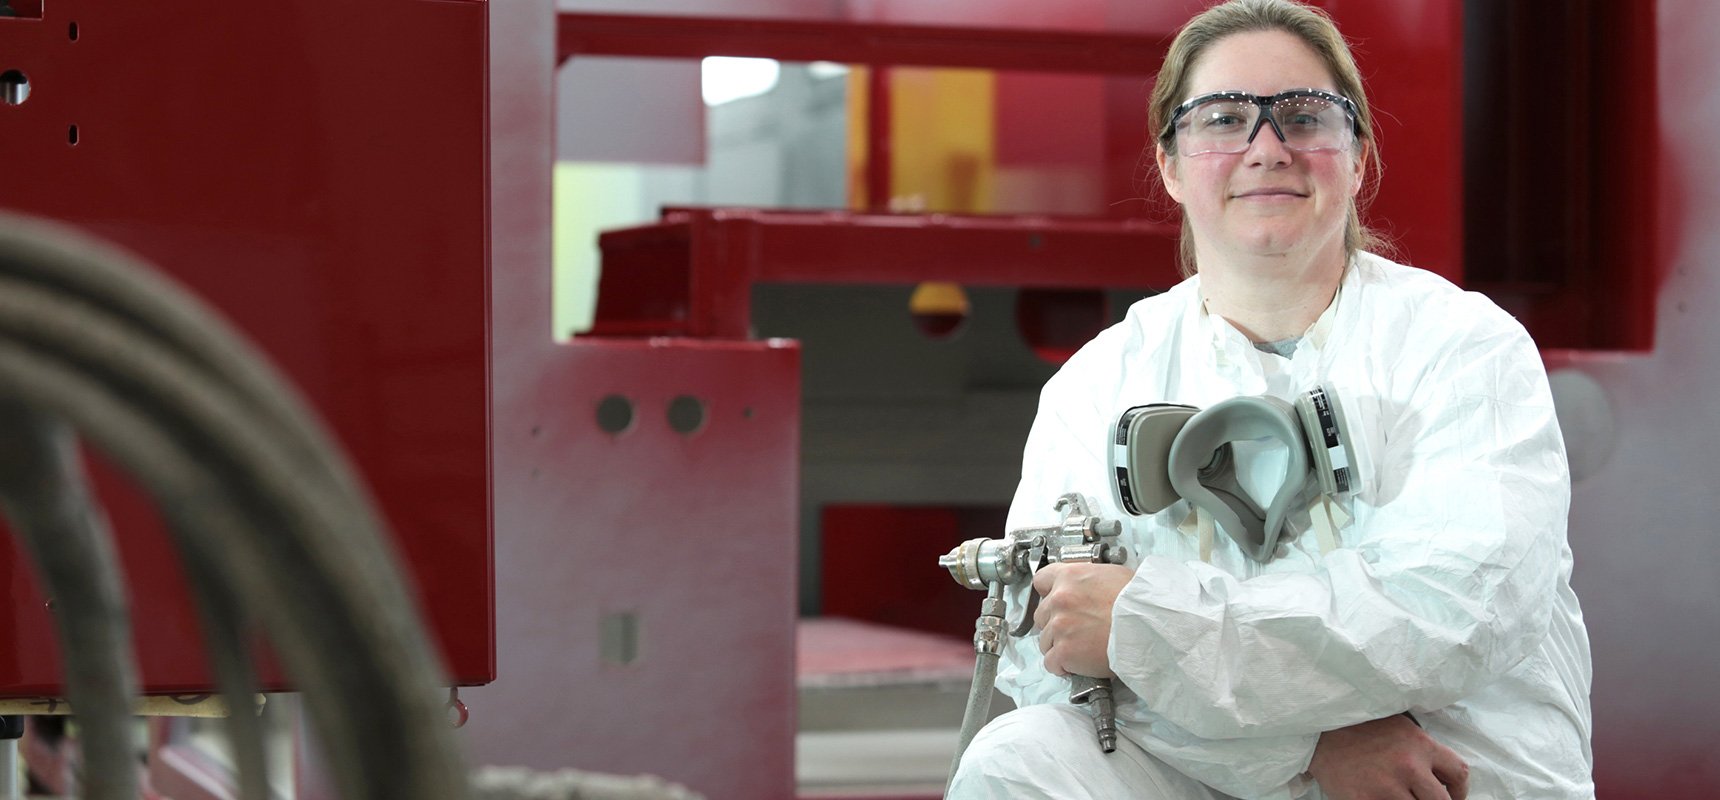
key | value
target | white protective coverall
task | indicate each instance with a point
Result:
(1447, 594)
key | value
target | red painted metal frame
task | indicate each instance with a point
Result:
(858, 43)
(692, 273)
(880, 145)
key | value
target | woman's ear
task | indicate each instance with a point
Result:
(1361, 168)
(1168, 172)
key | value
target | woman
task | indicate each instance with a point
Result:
(1444, 601)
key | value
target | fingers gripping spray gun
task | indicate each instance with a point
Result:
(991, 564)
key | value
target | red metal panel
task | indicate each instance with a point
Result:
(1411, 56)
(324, 181)
(690, 535)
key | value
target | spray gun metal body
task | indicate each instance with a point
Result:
(990, 564)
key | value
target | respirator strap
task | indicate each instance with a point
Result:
(1199, 524)
(1327, 517)
(1203, 521)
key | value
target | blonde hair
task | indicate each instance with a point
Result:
(1315, 29)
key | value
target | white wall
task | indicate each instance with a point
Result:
(1645, 528)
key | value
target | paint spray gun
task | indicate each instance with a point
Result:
(989, 565)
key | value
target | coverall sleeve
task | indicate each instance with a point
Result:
(1062, 446)
(1444, 582)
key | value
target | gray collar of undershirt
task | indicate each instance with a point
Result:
(1282, 347)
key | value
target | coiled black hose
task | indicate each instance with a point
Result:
(268, 517)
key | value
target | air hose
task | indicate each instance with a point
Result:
(274, 529)
(987, 644)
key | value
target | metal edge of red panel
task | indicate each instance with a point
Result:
(519, 158)
(490, 144)
(489, 270)
(858, 43)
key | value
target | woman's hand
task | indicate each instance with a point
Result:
(1074, 616)
(1387, 759)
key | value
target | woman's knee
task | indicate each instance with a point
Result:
(1031, 741)
(1052, 751)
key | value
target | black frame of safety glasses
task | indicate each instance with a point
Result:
(1265, 102)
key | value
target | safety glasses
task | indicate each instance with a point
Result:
(1226, 122)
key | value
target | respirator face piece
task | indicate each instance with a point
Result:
(1162, 452)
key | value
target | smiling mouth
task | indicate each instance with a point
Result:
(1271, 193)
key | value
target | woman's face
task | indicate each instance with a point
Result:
(1268, 200)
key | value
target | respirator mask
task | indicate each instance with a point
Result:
(1164, 452)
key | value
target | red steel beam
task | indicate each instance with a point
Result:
(974, 250)
(691, 273)
(789, 246)
(859, 43)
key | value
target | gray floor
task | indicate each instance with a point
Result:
(891, 739)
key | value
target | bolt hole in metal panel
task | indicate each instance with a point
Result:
(686, 415)
(615, 414)
(14, 87)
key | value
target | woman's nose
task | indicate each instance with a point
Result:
(1266, 148)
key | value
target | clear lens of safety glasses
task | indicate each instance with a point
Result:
(1227, 122)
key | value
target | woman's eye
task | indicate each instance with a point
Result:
(1222, 121)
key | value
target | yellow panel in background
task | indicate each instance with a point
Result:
(942, 139)
(859, 104)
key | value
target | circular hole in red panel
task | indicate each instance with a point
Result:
(938, 309)
(72, 135)
(615, 414)
(1056, 322)
(72, 31)
(687, 414)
